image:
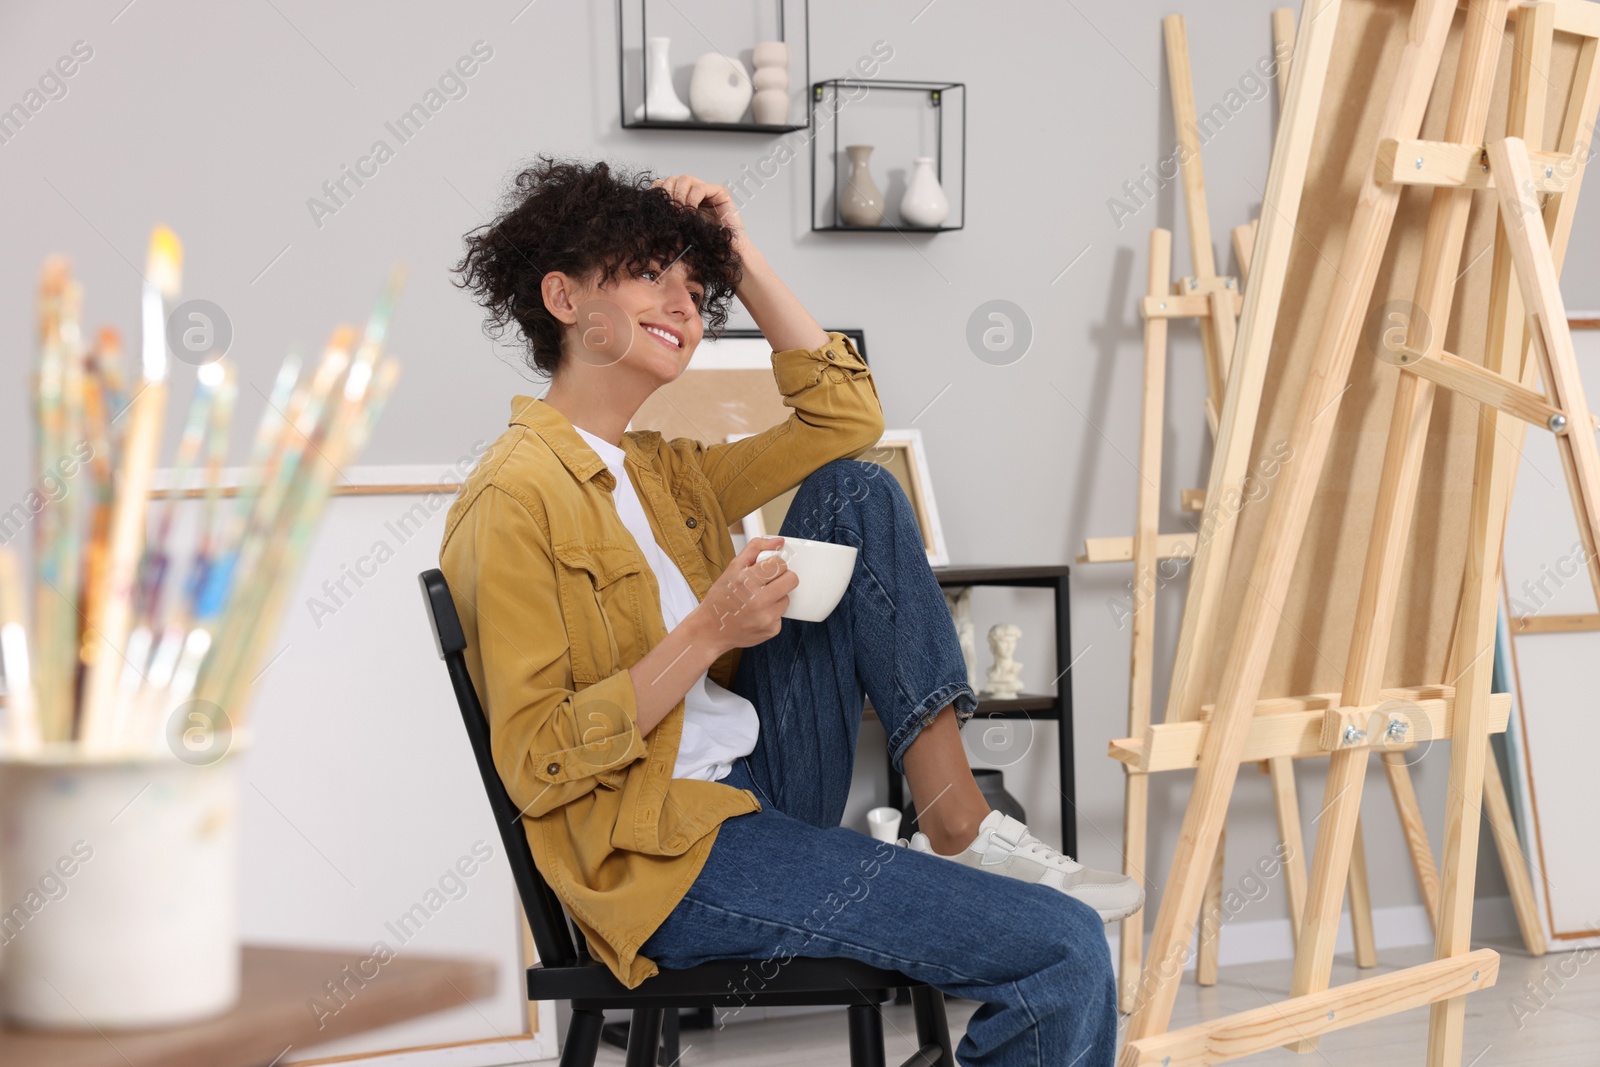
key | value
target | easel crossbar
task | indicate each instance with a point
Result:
(1175, 746)
(1309, 1016)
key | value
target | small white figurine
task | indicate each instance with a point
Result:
(1005, 677)
(960, 604)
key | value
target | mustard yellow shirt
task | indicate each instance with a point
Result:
(557, 603)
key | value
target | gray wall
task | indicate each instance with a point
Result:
(222, 120)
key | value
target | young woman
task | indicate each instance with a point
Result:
(681, 753)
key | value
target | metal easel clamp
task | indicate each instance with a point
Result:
(1388, 727)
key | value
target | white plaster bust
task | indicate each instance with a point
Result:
(1005, 677)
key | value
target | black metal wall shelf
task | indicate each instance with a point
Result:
(829, 100)
(633, 30)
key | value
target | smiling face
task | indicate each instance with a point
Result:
(644, 324)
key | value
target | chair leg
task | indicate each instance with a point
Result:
(669, 1039)
(644, 1037)
(933, 1026)
(583, 1038)
(866, 1036)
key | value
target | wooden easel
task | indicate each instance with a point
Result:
(1214, 302)
(1365, 714)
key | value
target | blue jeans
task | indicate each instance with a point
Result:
(790, 881)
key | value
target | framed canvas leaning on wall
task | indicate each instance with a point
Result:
(899, 452)
(726, 390)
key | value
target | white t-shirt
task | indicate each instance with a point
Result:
(719, 726)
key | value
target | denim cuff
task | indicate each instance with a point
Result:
(958, 693)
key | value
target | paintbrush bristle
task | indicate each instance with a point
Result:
(164, 267)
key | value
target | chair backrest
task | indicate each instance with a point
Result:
(551, 934)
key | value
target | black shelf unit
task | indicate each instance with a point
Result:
(943, 97)
(1046, 707)
(793, 15)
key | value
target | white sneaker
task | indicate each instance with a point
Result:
(1004, 846)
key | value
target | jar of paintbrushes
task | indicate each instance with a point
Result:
(129, 639)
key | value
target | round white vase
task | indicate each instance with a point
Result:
(924, 203)
(720, 89)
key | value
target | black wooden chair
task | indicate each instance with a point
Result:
(566, 971)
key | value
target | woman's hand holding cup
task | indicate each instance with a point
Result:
(745, 605)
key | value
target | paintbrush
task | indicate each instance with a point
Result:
(156, 631)
(72, 506)
(214, 578)
(183, 644)
(217, 434)
(101, 714)
(102, 397)
(22, 713)
(106, 366)
(51, 676)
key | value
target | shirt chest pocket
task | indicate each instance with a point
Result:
(698, 503)
(599, 586)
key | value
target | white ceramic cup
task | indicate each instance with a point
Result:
(824, 569)
(884, 824)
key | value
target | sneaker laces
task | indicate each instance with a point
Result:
(1036, 849)
(1011, 835)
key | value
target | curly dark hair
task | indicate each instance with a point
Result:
(583, 219)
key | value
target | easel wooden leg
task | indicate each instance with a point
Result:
(1244, 239)
(1508, 355)
(1196, 215)
(1361, 904)
(1470, 745)
(1287, 803)
(1205, 971)
(1416, 834)
(1512, 861)
(1130, 940)
(1552, 341)
(1283, 47)
(1141, 680)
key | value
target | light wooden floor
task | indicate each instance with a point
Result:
(1564, 1032)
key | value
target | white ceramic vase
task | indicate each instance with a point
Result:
(924, 203)
(720, 89)
(771, 81)
(661, 101)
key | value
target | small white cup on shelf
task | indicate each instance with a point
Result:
(884, 824)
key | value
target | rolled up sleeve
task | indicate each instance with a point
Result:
(836, 415)
(552, 743)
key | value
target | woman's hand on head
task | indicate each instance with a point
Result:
(711, 199)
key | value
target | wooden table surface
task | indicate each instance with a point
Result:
(273, 1016)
